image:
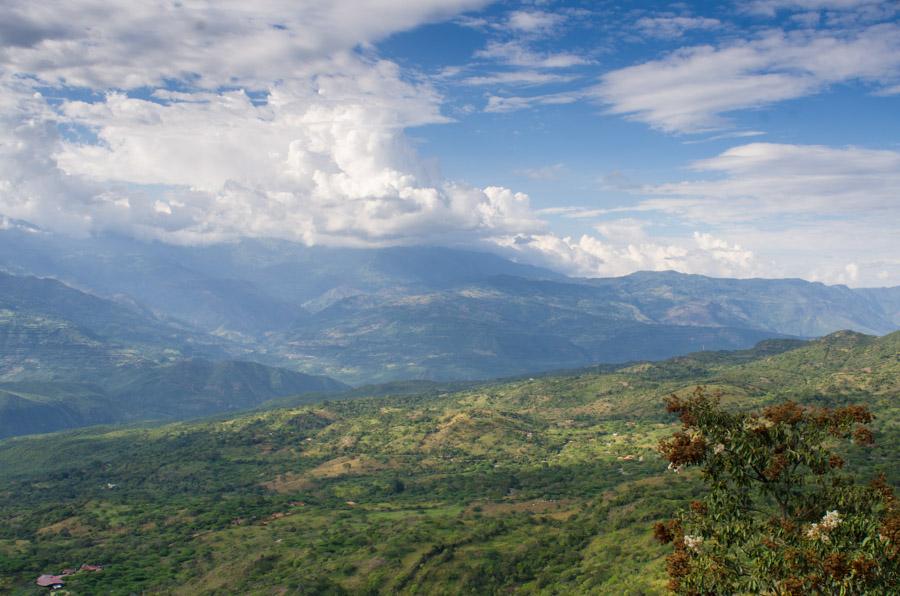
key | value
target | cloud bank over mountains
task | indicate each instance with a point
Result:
(197, 122)
(246, 121)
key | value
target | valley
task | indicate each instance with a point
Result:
(449, 297)
(541, 484)
(378, 315)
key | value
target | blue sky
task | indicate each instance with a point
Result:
(757, 138)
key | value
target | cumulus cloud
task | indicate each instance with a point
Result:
(268, 122)
(296, 167)
(620, 254)
(693, 88)
(811, 208)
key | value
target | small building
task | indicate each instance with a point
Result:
(87, 567)
(54, 582)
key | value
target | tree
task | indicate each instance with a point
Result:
(779, 515)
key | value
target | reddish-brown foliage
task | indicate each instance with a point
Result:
(682, 449)
(788, 413)
(863, 436)
(836, 566)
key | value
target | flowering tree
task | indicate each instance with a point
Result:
(779, 516)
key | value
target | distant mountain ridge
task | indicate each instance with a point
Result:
(70, 359)
(376, 315)
(181, 390)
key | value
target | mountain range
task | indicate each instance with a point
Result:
(68, 358)
(377, 315)
(110, 329)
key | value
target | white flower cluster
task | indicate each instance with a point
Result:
(819, 531)
(753, 423)
(831, 519)
(693, 542)
(719, 448)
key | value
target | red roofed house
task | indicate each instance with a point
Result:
(87, 567)
(51, 581)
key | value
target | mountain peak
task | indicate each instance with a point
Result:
(845, 338)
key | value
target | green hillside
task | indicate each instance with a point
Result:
(51, 331)
(172, 391)
(543, 485)
(70, 359)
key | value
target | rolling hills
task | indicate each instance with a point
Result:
(68, 359)
(536, 485)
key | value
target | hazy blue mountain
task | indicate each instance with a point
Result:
(886, 300)
(50, 331)
(790, 306)
(68, 358)
(179, 390)
(501, 326)
(249, 287)
(428, 313)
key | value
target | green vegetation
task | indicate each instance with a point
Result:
(70, 359)
(544, 485)
(779, 517)
(175, 391)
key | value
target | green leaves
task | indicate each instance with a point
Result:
(778, 515)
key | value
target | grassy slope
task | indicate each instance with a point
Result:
(516, 485)
(178, 391)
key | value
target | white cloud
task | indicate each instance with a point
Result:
(671, 27)
(812, 209)
(624, 230)
(534, 21)
(517, 53)
(737, 134)
(894, 90)
(332, 170)
(104, 44)
(319, 157)
(520, 78)
(590, 256)
(690, 90)
(760, 181)
(499, 104)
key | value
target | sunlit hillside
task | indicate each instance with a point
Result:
(537, 485)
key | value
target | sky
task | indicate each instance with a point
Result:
(758, 138)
